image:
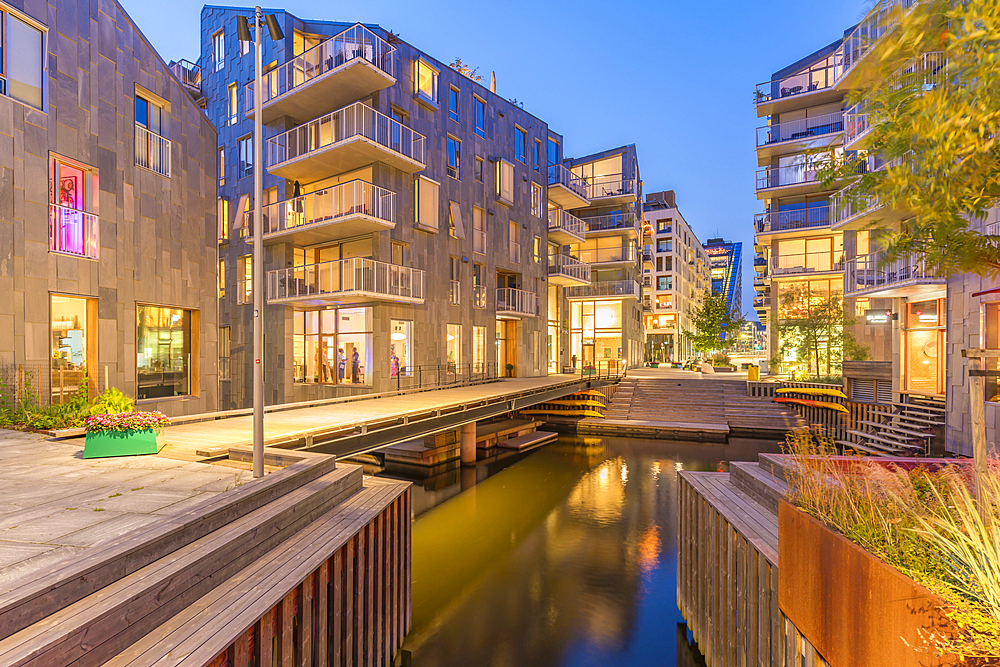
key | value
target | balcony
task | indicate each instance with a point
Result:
(566, 189)
(797, 135)
(776, 222)
(872, 276)
(793, 180)
(604, 291)
(568, 271)
(647, 254)
(189, 76)
(152, 151)
(614, 223)
(807, 263)
(347, 139)
(341, 211)
(565, 228)
(864, 36)
(73, 232)
(626, 255)
(513, 304)
(611, 189)
(345, 281)
(817, 82)
(346, 67)
(761, 302)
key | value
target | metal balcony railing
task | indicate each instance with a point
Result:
(611, 222)
(867, 33)
(562, 175)
(610, 185)
(516, 301)
(355, 42)
(346, 277)
(807, 262)
(647, 253)
(73, 232)
(455, 294)
(775, 177)
(844, 205)
(804, 128)
(609, 255)
(802, 218)
(339, 201)
(815, 78)
(872, 271)
(152, 151)
(187, 73)
(606, 288)
(569, 266)
(559, 219)
(478, 296)
(355, 120)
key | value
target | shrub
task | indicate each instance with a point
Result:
(721, 359)
(127, 421)
(111, 401)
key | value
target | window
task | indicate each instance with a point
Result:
(163, 352)
(520, 139)
(398, 250)
(400, 348)
(425, 192)
(456, 284)
(453, 339)
(536, 200)
(152, 151)
(454, 157)
(478, 231)
(456, 227)
(536, 249)
(22, 76)
(333, 346)
(537, 159)
(74, 344)
(453, 103)
(513, 243)
(244, 150)
(478, 349)
(664, 245)
(222, 166)
(148, 115)
(222, 278)
(664, 282)
(478, 289)
(73, 224)
(223, 214)
(225, 352)
(244, 279)
(244, 47)
(479, 169)
(219, 50)
(553, 151)
(427, 81)
(479, 116)
(663, 226)
(505, 181)
(233, 106)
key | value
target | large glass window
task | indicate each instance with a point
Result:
(536, 200)
(23, 73)
(333, 346)
(400, 348)
(553, 151)
(244, 148)
(505, 181)
(595, 332)
(233, 105)
(219, 50)
(73, 226)
(454, 157)
(71, 344)
(427, 81)
(453, 339)
(479, 116)
(478, 349)
(925, 346)
(149, 115)
(163, 352)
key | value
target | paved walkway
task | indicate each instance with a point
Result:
(184, 440)
(54, 503)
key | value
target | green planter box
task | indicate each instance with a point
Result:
(101, 444)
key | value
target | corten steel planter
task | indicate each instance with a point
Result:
(855, 609)
(101, 444)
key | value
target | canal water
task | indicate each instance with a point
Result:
(561, 556)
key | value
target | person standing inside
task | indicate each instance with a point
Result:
(355, 367)
(341, 363)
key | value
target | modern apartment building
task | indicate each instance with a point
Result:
(725, 260)
(675, 277)
(404, 213)
(107, 193)
(599, 196)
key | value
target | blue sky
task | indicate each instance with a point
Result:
(674, 78)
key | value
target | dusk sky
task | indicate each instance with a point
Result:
(674, 78)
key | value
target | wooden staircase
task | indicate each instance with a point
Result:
(906, 430)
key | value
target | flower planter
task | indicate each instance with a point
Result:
(100, 444)
(856, 610)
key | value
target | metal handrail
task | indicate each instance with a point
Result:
(612, 221)
(355, 197)
(358, 275)
(569, 266)
(773, 177)
(560, 219)
(869, 31)
(337, 51)
(870, 271)
(609, 255)
(517, 301)
(803, 128)
(609, 185)
(804, 262)
(354, 120)
(561, 175)
(187, 73)
(446, 374)
(604, 288)
(73, 232)
(811, 80)
(801, 218)
(152, 151)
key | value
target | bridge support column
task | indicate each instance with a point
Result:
(469, 444)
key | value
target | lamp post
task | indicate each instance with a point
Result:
(257, 280)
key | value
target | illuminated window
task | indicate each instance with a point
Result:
(860, 306)
(536, 200)
(244, 279)
(425, 192)
(163, 352)
(21, 77)
(233, 110)
(427, 81)
(222, 278)
(222, 165)
(505, 181)
(223, 215)
(479, 169)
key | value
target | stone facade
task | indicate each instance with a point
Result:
(156, 232)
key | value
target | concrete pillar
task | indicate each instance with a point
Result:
(469, 444)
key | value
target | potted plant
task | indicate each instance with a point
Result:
(124, 434)
(589, 369)
(510, 370)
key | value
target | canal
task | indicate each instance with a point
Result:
(561, 556)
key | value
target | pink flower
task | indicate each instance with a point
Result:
(127, 421)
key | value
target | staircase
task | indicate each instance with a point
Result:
(906, 430)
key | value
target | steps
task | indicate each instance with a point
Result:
(759, 483)
(905, 431)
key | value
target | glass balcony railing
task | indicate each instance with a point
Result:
(569, 266)
(807, 262)
(330, 204)
(517, 302)
(605, 289)
(866, 273)
(802, 218)
(612, 222)
(805, 128)
(353, 121)
(816, 78)
(561, 220)
(355, 42)
(610, 185)
(628, 253)
(73, 232)
(357, 277)
(561, 175)
(866, 34)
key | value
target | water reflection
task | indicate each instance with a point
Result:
(563, 556)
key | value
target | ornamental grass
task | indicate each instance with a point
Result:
(127, 421)
(923, 521)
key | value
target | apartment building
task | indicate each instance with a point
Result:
(675, 278)
(404, 213)
(725, 259)
(107, 191)
(597, 198)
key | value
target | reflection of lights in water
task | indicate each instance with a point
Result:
(678, 466)
(649, 549)
(602, 474)
(595, 498)
(624, 473)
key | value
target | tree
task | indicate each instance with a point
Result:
(931, 97)
(814, 330)
(464, 69)
(716, 325)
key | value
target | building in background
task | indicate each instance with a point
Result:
(725, 260)
(108, 187)
(675, 277)
(751, 341)
(404, 211)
